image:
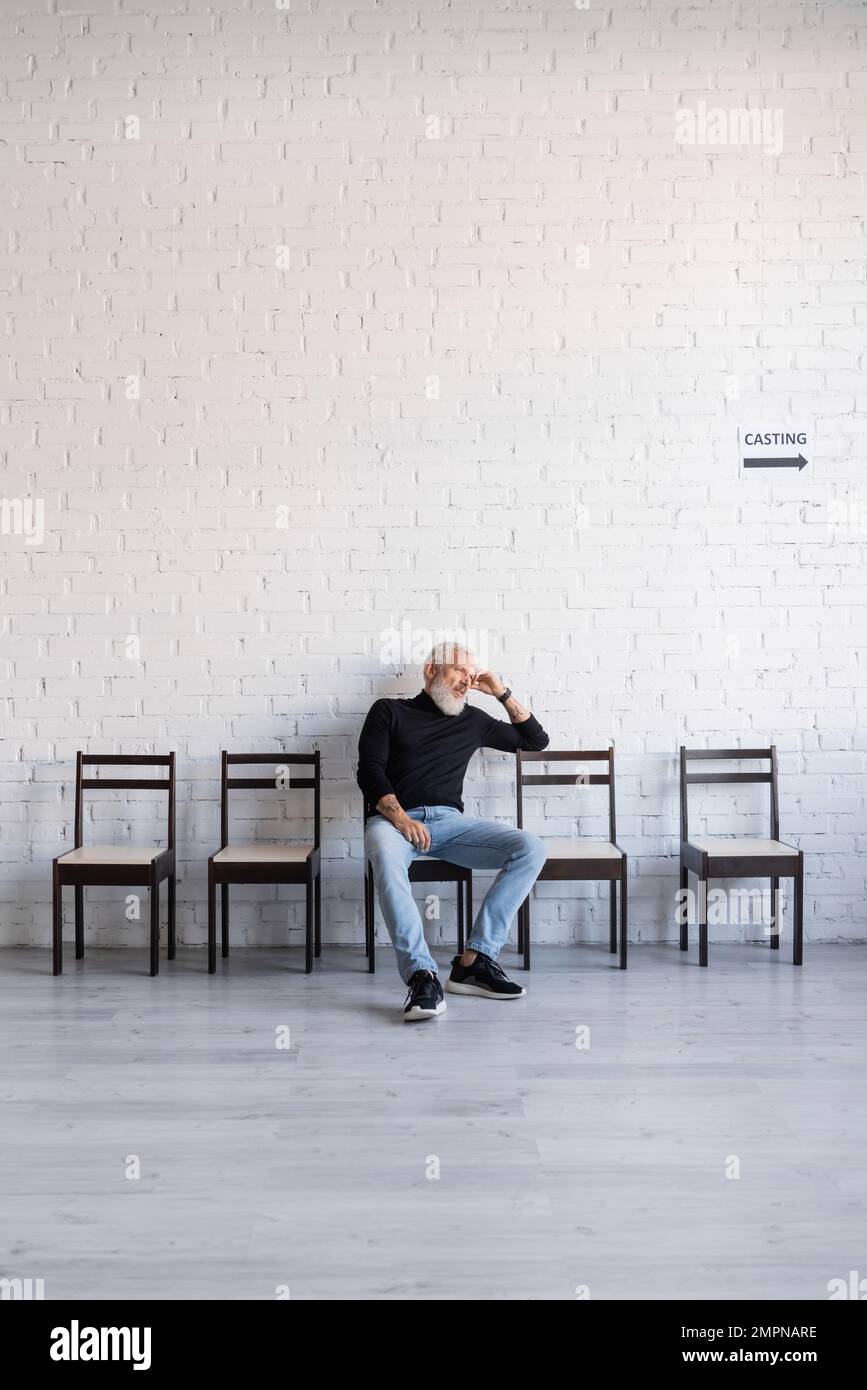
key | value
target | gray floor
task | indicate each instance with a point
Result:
(559, 1168)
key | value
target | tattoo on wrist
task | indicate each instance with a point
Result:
(517, 714)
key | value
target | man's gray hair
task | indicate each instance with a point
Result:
(444, 653)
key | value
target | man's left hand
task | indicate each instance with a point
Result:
(488, 684)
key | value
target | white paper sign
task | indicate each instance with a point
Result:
(771, 448)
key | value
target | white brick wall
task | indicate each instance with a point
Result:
(340, 271)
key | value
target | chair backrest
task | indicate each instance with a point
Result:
(568, 779)
(280, 780)
(688, 755)
(151, 784)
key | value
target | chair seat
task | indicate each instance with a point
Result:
(111, 854)
(263, 854)
(739, 847)
(582, 849)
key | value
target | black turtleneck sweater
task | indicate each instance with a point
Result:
(410, 749)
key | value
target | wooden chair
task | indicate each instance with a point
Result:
(578, 859)
(426, 870)
(717, 856)
(263, 862)
(130, 866)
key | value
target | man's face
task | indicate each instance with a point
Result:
(458, 674)
(449, 684)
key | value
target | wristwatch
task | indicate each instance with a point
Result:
(505, 696)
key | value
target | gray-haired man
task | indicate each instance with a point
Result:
(413, 756)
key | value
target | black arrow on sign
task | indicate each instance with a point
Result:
(799, 463)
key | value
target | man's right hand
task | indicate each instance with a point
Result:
(415, 831)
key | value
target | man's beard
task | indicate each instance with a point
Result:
(445, 699)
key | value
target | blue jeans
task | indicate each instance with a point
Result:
(459, 839)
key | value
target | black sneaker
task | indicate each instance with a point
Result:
(425, 997)
(484, 976)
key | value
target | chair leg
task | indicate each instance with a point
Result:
(308, 922)
(155, 925)
(702, 914)
(224, 919)
(366, 911)
(527, 933)
(317, 913)
(79, 921)
(469, 922)
(521, 930)
(460, 917)
(776, 919)
(612, 926)
(172, 918)
(623, 876)
(798, 947)
(212, 919)
(56, 922)
(684, 926)
(371, 923)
